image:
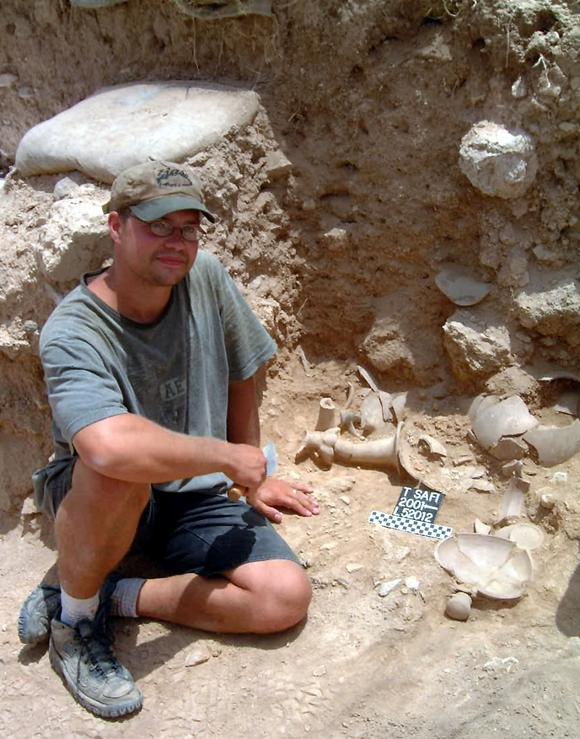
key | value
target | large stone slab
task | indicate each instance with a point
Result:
(124, 125)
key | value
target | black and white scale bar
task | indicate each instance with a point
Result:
(433, 531)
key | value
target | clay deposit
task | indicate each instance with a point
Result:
(398, 192)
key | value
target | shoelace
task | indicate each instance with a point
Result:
(97, 640)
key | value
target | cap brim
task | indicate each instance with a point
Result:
(152, 210)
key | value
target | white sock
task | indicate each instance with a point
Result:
(77, 609)
(125, 595)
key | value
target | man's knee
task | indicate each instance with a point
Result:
(283, 595)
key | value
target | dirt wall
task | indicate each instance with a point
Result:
(339, 249)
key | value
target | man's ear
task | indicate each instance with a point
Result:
(115, 225)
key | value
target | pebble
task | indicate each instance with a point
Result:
(388, 587)
(65, 186)
(319, 671)
(501, 664)
(25, 92)
(7, 79)
(353, 567)
(198, 655)
(458, 607)
(561, 478)
(412, 583)
(345, 499)
(547, 501)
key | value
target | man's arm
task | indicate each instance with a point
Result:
(130, 447)
(243, 416)
(273, 495)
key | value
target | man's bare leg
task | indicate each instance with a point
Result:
(258, 597)
(95, 527)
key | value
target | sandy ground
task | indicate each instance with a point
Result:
(362, 665)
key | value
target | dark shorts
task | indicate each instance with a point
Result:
(185, 532)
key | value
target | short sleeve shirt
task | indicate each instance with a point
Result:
(175, 371)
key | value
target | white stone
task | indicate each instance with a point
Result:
(74, 240)
(198, 655)
(7, 79)
(412, 583)
(497, 161)
(124, 125)
(65, 186)
(387, 587)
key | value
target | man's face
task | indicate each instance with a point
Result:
(160, 261)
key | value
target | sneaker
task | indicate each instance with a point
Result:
(84, 659)
(38, 610)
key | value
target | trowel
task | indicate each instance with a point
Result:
(269, 451)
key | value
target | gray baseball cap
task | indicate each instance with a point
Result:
(154, 189)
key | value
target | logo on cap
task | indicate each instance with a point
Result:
(173, 178)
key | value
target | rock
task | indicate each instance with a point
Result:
(547, 501)
(498, 162)
(25, 92)
(387, 587)
(513, 381)
(412, 583)
(277, 165)
(458, 607)
(477, 347)
(482, 486)
(7, 79)
(198, 655)
(508, 449)
(120, 126)
(75, 240)
(337, 239)
(501, 664)
(64, 187)
(553, 311)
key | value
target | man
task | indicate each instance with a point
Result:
(150, 366)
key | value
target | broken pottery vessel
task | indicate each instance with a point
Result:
(495, 567)
(554, 444)
(493, 418)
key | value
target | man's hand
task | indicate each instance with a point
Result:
(275, 495)
(247, 466)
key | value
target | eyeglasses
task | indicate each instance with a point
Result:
(163, 229)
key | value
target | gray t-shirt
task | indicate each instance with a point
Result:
(174, 371)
